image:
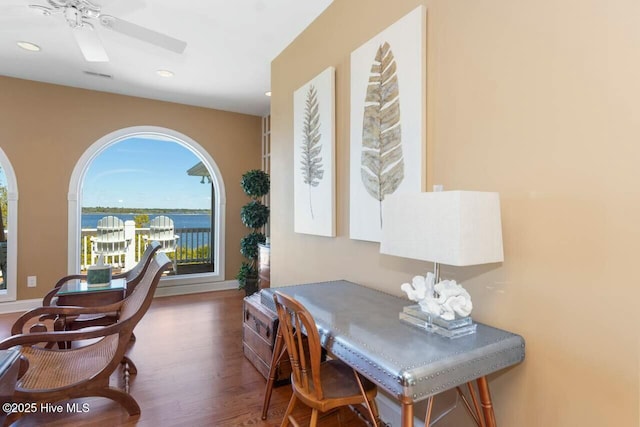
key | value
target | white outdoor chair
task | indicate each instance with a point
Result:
(110, 241)
(161, 230)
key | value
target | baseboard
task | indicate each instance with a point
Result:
(196, 288)
(21, 306)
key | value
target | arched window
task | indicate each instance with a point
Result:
(128, 171)
(9, 229)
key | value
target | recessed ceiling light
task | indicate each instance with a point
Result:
(29, 46)
(165, 73)
(268, 93)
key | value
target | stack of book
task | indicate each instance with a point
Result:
(458, 327)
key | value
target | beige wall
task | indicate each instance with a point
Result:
(535, 100)
(44, 129)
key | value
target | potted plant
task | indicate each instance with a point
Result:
(254, 215)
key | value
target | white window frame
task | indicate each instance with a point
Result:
(11, 294)
(219, 208)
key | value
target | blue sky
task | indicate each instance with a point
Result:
(145, 173)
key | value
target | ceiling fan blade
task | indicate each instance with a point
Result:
(90, 45)
(144, 34)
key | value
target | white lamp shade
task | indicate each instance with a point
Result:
(448, 227)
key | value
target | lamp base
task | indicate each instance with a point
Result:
(458, 327)
(416, 311)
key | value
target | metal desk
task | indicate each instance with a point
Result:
(360, 325)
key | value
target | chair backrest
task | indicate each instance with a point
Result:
(295, 321)
(134, 275)
(110, 236)
(136, 304)
(117, 337)
(161, 229)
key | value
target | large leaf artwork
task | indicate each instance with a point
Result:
(312, 171)
(382, 168)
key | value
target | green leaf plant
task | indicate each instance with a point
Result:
(254, 215)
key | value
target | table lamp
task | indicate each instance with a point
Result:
(458, 228)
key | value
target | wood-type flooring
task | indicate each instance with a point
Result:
(191, 372)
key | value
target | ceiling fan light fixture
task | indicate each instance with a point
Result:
(165, 73)
(31, 47)
(79, 15)
(73, 16)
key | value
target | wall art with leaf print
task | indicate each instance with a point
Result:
(314, 155)
(388, 142)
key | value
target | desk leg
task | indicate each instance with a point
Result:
(278, 353)
(427, 418)
(477, 415)
(485, 401)
(406, 416)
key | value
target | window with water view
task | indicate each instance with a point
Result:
(141, 189)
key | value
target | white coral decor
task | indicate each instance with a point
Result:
(444, 299)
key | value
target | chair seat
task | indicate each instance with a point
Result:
(49, 369)
(339, 386)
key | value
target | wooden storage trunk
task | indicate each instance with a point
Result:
(260, 326)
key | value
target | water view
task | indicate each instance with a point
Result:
(192, 252)
(151, 175)
(179, 220)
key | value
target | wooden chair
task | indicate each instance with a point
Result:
(110, 240)
(132, 277)
(161, 229)
(322, 386)
(56, 375)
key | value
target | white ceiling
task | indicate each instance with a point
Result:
(226, 65)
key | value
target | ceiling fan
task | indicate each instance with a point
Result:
(79, 14)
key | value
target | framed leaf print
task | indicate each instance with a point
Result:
(388, 142)
(314, 155)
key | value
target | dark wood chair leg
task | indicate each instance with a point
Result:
(128, 368)
(128, 364)
(123, 398)
(60, 324)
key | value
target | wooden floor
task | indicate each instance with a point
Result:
(191, 372)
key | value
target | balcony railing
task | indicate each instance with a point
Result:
(193, 248)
